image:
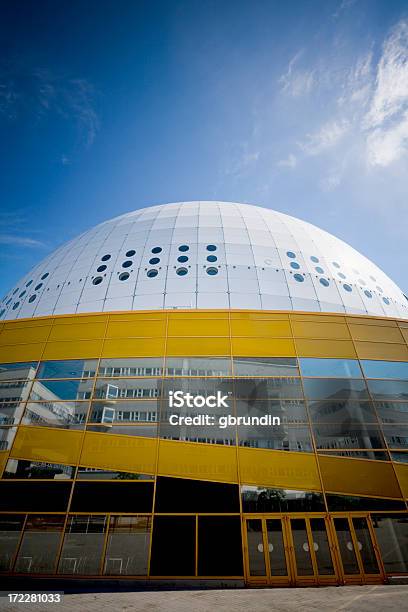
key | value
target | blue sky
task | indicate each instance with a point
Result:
(112, 105)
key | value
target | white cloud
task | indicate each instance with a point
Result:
(325, 138)
(289, 162)
(16, 240)
(296, 82)
(386, 122)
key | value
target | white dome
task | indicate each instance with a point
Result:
(204, 255)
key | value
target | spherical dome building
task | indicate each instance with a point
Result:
(205, 391)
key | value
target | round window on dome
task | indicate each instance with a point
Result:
(347, 287)
(130, 253)
(22, 294)
(38, 287)
(386, 301)
(124, 276)
(294, 265)
(379, 289)
(101, 268)
(151, 273)
(29, 283)
(319, 270)
(97, 280)
(314, 259)
(368, 293)
(212, 258)
(181, 271)
(324, 282)
(335, 264)
(156, 250)
(127, 263)
(211, 247)
(299, 278)
(154, 260)
(105, 257)
(182, 258)
(183, 248)
(32, 298)
(44, 276)
(212, 271)
(341, 275)
(291, 254)
(16, 305)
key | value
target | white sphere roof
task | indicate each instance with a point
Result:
(204, 255)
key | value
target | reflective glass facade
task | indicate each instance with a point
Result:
(156, 499)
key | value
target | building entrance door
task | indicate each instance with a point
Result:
(358, 550)
(289, 550)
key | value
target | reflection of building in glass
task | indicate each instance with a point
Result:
(273, 314)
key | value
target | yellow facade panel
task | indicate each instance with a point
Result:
(202, 346)
(20, 352)
(278, 469)
(404, 332)
(366, 320)
(200, 461)
(117, 452)
(46, 444)
(376, 333)
(77, 349)
(358, 477)
(303, 329)
(3, 460)
(198, 327)
(136, 329)
(382, 351)
(194, 314)
(25, 335)
(402, 475)
(77, 331)
(263, 347)
(261, 328)
(317, 318)
(133, 347)
(23, 323)
(137, 317)
(340, 349)
(80, 318)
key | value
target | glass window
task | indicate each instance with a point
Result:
(68, 415)
(388, 389)
(18, 371)
(128, 544)
(198, 366)
(6, 437)
(283, 437)
(263, 499)
(181, 495)
(342, 411)
(301, 546)
(19, 468)
(348, 435)
(400, 457)
(352, 503)
(34, 496)
(112, 497)
(83, 545)
(335, 388)
(396, 436)
(385, 369)
(219, 546)
(330, 368)
(144, 431)
(54, 390)
(265, 366)
(358, 454)
(13, 394)
(268, 388)
(10, 529)
(289, 411)
(73, 368)
(86, 473)
(392, 412)
(392, 536)
(173, 546)
(321, 546)
(144, 366)
(128, 388)
(124, 411)
(40, 544)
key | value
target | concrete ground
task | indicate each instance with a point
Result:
(324, 599)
